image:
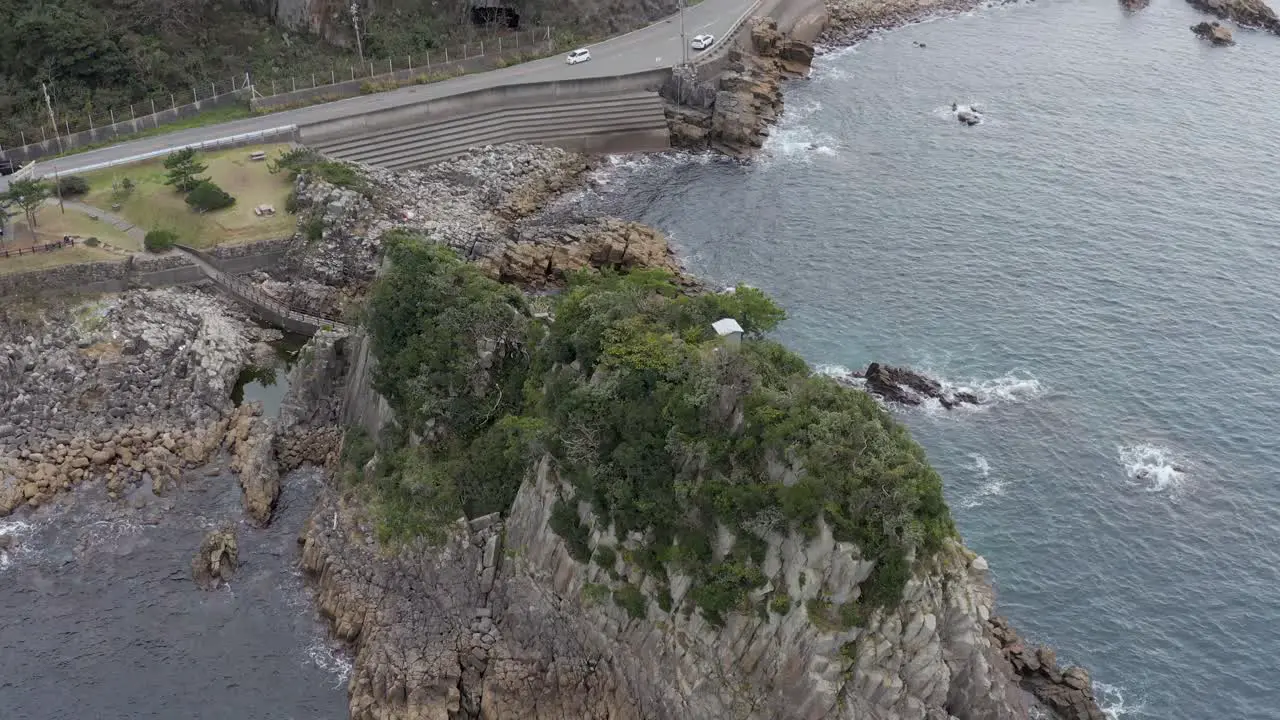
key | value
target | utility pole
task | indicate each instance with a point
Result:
(355, 22)
(49, 104)
(57, 185)
(684, 45)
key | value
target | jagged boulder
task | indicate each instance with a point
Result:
(217, 559)
(543, 255)
(1214, 32)
(251, 439)
(908, 387)
(1134, 5)
(1067, 692)
(1247, 13)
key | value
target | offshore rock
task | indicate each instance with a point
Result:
(1134, 5)
(908, 387)
(251, 440)
(1246, 13)
(1214, 32)
(216, 560)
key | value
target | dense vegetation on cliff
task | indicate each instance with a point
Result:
(657, 424)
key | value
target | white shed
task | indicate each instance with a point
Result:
(730, 330)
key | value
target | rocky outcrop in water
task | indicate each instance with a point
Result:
(733, 111)
(542, 255)
(251, 439)
(216, 560)
(1214, 32)
(1067, 692)
(1134, 5)
(1246, 13)
(908, 387)
(852, 21)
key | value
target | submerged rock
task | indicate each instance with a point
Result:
(1134, 5)
(1247, 13)
(1213, 32)
(217, 559)
(908, 387)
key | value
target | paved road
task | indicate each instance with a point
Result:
(655, 46)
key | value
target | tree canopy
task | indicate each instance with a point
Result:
(656, 423)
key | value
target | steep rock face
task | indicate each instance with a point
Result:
(307, 426)
(931, 653)
(542, 255)
(331, 20)
(1247, 13)
(420, 620)
(733, 112)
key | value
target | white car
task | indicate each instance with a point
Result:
(702, 42)
(580, 55)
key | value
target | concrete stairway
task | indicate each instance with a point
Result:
(602, 124)
(264, 306)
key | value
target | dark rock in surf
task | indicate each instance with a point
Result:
(1215, 33)
(1067, 692)
(1134, 5)
(1246, 13)
(908, 387)
(217, 559)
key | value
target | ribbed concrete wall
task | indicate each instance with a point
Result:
(631, 121)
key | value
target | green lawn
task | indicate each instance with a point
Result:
(56, 258)
(52, 225)
(152, 205)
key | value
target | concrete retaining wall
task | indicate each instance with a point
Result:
(123, 128)
(140, 271)
(505, 95)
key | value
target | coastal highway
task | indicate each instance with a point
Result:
(654, 46)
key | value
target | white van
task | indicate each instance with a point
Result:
(580, 55)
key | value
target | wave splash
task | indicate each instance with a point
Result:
(1011, 388)
(13, 537)
(332, 659)
(1152, 467)
(988, 487)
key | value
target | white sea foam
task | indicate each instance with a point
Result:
(1111, 701)
(331, 658)
(18, 531)
(1152, 467)
(987, 487)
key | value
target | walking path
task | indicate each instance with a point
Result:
(266, 306)
(111, 219)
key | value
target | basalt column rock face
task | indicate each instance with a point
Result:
(931, 656)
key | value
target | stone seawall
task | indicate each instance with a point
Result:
(140, 270)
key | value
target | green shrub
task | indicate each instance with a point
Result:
(594, 594)
(780, 603)
(629, 598)
(207, 197)
(605, 557)
(301, 160)
(291, 202)
(566, 523)
(92, 242)
(72, 185)
(158, 241)
(313, 228)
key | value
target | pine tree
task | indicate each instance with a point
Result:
(183, 169)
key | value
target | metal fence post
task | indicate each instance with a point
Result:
(333, 77)
(173, 104)
(313, 80)
(194, 97)
(295, 83)
(91, 128)
(353, 72)
(446, 56)
(410, 57)
(464, 51)
(428, 61)
(153, 106)
(273, 86)
(131, 115)
(23, 136)
(390, 68)
(213, 89)
(113, 116)
(370, 68)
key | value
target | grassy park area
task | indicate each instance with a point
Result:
(152, 205)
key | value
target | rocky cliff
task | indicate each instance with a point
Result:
(732, 109)
(500, 621)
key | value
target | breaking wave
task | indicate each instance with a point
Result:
(1152, 467)
(331, 658)
(987, 487)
